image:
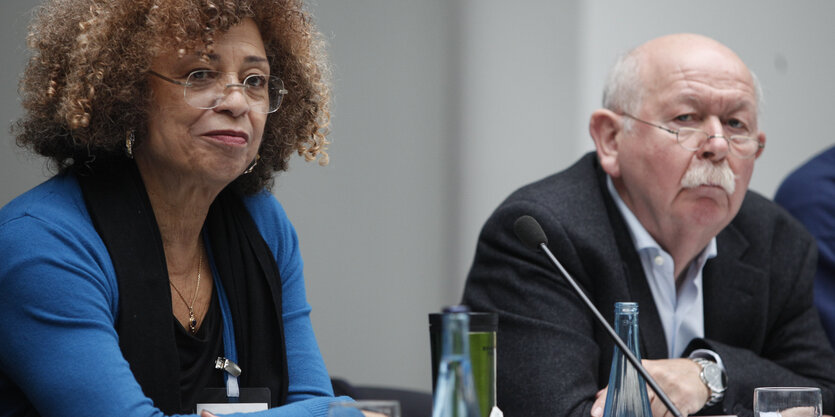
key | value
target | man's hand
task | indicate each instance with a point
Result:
(679, 378)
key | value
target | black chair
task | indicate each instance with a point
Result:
(412, 403)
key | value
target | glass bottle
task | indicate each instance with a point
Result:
(627, 392)
(455, 391)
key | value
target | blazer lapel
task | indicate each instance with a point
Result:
(651, 332)
(731, 288)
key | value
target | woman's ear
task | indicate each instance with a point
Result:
(604, 127)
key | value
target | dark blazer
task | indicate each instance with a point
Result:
(553, 358)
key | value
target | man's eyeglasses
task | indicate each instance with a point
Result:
(205, 89)
(693, 139)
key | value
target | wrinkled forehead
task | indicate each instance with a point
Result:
(689, 66)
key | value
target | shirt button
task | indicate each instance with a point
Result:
(659, 260)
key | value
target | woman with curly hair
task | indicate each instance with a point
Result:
(155, 271)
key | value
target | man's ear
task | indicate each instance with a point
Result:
(604, 127)
(761, 137)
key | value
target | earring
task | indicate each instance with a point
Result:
(130, 139)
(251, 166)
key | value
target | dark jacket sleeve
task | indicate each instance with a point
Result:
(547, 356)
(791, 349)
(809, 195)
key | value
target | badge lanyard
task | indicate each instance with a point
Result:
(228, 363)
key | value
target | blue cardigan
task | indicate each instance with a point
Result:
(59, 303)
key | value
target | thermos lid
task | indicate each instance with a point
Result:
(457, 309)
(479, 322)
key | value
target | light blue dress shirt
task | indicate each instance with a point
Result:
(681, 311)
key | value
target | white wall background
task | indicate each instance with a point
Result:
(442, 108)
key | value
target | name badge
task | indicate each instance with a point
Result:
(215, 401)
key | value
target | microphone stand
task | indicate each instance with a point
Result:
(632, 359)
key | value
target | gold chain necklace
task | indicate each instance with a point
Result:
(192, 320)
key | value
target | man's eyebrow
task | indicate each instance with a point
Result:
(744, 105)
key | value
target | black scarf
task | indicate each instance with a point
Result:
(121, 212)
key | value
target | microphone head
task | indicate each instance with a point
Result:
(529, 231)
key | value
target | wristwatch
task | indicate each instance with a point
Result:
(713, 375)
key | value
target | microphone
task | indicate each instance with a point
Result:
(528, 230)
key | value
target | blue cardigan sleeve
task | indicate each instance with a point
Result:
(59, 350)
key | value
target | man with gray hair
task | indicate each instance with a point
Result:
(660, 214)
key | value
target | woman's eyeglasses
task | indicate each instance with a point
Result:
(206, 89)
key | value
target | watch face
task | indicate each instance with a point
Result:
(713, 376)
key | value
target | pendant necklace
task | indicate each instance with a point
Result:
(192, 320)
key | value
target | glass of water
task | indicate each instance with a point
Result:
(365, 408)
(787, 402)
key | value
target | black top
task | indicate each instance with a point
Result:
(244, 266)
(197, 353)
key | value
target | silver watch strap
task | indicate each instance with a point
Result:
(715, 396)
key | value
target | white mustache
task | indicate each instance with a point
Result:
(707, 173)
